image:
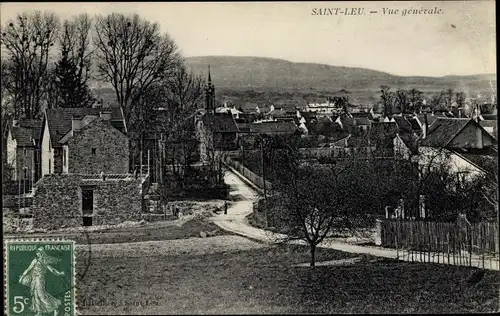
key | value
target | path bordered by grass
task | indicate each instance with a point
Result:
(264, 280)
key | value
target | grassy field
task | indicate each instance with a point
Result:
(263, 280)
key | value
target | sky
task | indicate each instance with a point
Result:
(461, 40)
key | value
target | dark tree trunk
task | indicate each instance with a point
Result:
(313, 254)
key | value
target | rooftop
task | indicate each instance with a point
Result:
(491, 126)
(220, 123)
(442, 132)
(59, 120)
(277, 127)
(23, 136)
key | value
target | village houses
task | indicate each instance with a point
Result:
(85, 169)
(466, 145)
(22, 152)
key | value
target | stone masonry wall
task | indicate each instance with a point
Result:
(117, 201)
(111, 150)
(58, 201)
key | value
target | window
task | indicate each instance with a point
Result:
(50, 166)
(64, 157)
(25, 173)
(94, 150)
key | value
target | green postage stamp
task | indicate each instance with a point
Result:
(39, 277)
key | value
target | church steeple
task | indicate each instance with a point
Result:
(210, 94)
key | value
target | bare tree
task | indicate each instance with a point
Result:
(437, 100)
(310, 202)
(387, 99)
(132, 56)
(460, 99)
(416, 98)
(448, 95)
(6, 99)
(28, 41)
(183, 92)
(402, 100)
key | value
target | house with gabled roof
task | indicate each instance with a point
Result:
(216, 132)
(491, 126)
(22, 151)
(84, 140)
(85, 167)
(460, 142)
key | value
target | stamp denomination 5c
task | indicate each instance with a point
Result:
(40, 277)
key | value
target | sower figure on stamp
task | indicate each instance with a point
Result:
(34, 277)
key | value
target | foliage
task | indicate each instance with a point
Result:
(72, 71)
(341, 101)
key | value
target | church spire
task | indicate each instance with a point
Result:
(210, 94)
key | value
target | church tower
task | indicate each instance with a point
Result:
(210, 94)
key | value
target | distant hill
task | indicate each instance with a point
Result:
(276, 74)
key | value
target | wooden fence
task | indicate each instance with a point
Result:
(248, 174)
(459, 243)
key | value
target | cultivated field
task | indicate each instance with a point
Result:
(230, 275)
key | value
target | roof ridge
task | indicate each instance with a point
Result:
(458, 132)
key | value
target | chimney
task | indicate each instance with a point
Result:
(105, 115)
(425, 128)
(479, 138)
(475, 115)
(75, 124)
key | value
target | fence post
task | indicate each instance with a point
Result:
(471, 241)
(378, 232)
(396, 238)
(419, 241)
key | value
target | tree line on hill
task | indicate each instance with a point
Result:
(388, 101)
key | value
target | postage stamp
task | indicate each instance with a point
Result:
(39, 277)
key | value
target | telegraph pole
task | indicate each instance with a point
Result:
(263, 178)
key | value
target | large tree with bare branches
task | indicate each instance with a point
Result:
(387, 99)
(416, 98)
(403, 100)
(27, 41)
(167, 110)
(132, 55)
(310, 202)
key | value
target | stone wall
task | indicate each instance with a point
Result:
(58, 201)
(111, 150)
